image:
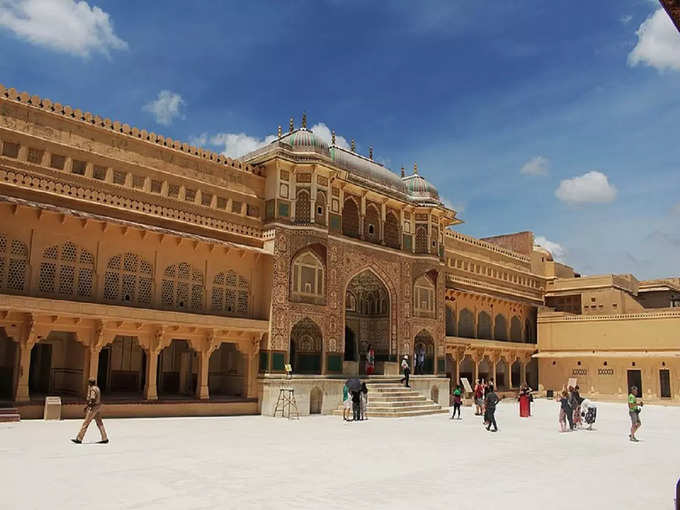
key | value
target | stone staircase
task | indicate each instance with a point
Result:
(9, 414)
(390, 399)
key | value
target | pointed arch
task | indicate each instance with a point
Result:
(450, 320)
(350, 218)
(67, 270)
(515, 329)
(424, 297)
(391, 235)
(13, 264)
(466, 324)
(308, 277)
(484, 326)
(372, 224)
(306, 347)
(500, 330)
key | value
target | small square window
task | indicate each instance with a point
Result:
(11, 150)
(119, 177)
(35, 155)
(78, 167)
(137, 181)
(592, 299)
(156, 186)
(221, 203)
(57, 161)
(99, 173)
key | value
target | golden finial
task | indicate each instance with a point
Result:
(279, 131)
(403, 173)
(291, 125)
(415, 168)
(370, 153)
(304, 121)
(333, 137)
(354, 146)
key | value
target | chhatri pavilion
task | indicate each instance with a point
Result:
(185, 281)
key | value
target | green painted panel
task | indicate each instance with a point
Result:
(335, 222)
(429, 365)
(264, 361)
(407, 243)
(278, 361)
(441, 365)
(334, 363)
(269, 208)
(308, 364)
(284, 209)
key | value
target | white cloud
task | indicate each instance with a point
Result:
(459, 207)
(199, 141)
(658, 43)
(626, 19)
(591, 187)
(558, 251)
(239, 144)
(63, 25)
(166, 107)
(538, 165)
(323, 132)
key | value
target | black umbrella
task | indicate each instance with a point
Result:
(353, 384)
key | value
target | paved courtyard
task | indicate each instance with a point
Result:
(321, 462)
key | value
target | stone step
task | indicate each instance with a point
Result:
(392, 394)
(8, 410)
(397, 403)
(396, 398)
(8, 418)
(388, 409)
(398, 389)
(398, 413)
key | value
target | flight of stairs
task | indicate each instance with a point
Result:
(9, 414)
(390, 399)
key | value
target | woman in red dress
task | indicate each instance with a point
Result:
(370, 360)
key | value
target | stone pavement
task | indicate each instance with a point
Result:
(321, 462)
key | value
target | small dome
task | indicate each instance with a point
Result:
(419, 189)
(304, 140)
(543, 251)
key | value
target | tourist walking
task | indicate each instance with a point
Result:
(565, 410)
(346, 403)
(524, 403)
(407, 371)
(356, 405)
(576, 406)
(570, 413)
(93, 411)
(370, 360)
(634, 409)
(457, 401)
(589, 412)
(490, 402)
(364, 400)
(479, 397)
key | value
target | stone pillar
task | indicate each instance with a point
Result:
(476, 376)
(150, 390)
(202, 389)
(522, 372)
(493, 372)
(509, 364)
(22, 393)
(457, 373)
(94, 363)
(251, 375)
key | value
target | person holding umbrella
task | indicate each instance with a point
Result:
(354, 386)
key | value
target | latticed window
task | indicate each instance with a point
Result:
(308, 276)
(423, 297)
(182, 287)
(302, 207)
(350, 218)
(421, 239)
(392, 238)
(13, 264)
(129, 280)
(230, 294)
(67, 270)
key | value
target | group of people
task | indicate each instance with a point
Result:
(574, 409)
(356, 401)
(486, 399)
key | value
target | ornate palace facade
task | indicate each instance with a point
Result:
(184, 281)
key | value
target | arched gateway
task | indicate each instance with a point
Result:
(367, 319)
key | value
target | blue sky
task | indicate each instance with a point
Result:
(560, 118)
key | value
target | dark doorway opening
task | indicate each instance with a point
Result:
(665, 383)
(635, 379)
(40, 370)
(350, 345)
(8, 361)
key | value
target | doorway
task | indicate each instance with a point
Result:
(8, 352)
(635, 379)
(665, 383)
(350, 345)
(40, 369)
